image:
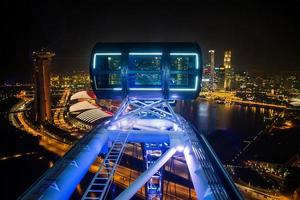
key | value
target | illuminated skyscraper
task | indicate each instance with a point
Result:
(208, 75)
(206, 78)
(219, 77)
(211, 61)
(42, 101)
(228, 70)
(211, 57)
(227, 59)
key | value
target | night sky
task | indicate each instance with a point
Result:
(261, 35)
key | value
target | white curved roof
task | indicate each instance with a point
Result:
(83, 105)
(93, 115)
(295, 103)
(81, 95)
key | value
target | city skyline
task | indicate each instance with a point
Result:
(206, 63)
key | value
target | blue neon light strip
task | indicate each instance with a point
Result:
(149, 53)
(157, 89)
(146, 54)
(103, 54)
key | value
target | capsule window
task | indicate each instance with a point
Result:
(107, 69)
(183, 71)
(144, 71)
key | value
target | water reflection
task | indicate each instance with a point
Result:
(210, 116)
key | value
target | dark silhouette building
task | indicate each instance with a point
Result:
(42, 101)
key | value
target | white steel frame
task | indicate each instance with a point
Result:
(182, 138)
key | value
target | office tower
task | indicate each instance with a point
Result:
(208, 74)
(42, 101)
(219, 77)
(206, 78)
(227, 59)
(228, 70)
(211, 61)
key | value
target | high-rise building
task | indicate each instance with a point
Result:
(227, 60)
(42, 101)
(211, 61)
(228, 70)
(209, 72)
(219, 77)
(206, 78)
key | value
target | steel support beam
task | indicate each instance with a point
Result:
(138, 110)
(198, 176)
(60, 181)
(145, 176)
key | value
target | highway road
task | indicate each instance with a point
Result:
(259, 194)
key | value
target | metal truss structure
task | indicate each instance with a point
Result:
(138, 121)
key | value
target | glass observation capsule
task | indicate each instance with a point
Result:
(146, 70)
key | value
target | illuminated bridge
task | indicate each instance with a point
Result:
(149, 77)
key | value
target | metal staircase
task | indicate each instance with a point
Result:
(99, 186)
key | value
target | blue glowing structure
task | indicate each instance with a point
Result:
(137, 122)
(147, 76)
(152, 152)
(146, 70)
